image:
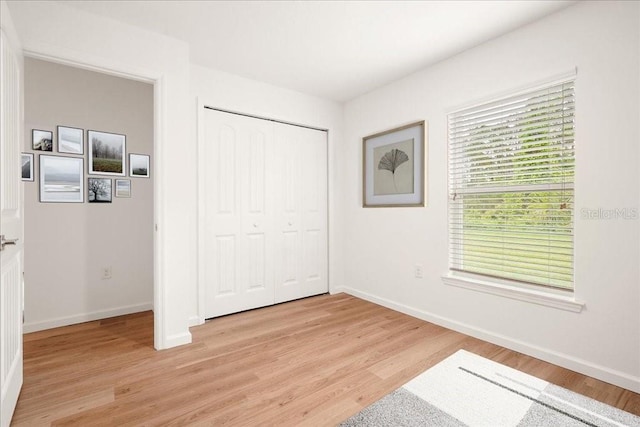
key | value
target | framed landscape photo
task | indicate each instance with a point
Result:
(123, 188)
(41, 140)
(70, 140)
(106, 153)
(394, 167)
(61, 179)
(99, 190)
(139, 165)
(26, 163)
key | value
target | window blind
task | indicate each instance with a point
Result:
(511, 175)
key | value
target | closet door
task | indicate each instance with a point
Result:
(238, 210)
(301, 212)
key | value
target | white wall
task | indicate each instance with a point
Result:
(68, 244)
(229, 92)
(602, 41)
(53, 31)
(373, 250)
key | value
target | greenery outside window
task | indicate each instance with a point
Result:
(511, 184)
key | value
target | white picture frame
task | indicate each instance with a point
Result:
(123, 188)
(107, 152)
(61, 179)
(26, 164)
(70, 140)
(139, 165)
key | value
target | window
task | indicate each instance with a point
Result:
(511, 175)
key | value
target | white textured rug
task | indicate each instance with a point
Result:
(468, 390)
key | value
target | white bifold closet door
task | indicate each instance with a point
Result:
(264, 212)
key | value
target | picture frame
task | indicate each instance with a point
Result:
(123, 188)
(139, 165)
(41, 140)
(61, 179)
(70, 140)
(26, 164)
(393, 167)
(99, 190)
(107, 153)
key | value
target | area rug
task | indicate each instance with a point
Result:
(468, 390)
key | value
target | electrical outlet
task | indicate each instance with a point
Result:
(106, 272)
(418, 271)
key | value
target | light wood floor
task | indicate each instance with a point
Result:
(311, 362)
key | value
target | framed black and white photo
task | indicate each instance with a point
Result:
(41, 140)
(106, 153)
(139, 165)
(394, 167)
(123, 188)
(61, 179)
(70, 140)
(26, 162)
(99, 190)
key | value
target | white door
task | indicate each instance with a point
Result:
(301, 212)
(10, 228)
(263, 213)
(238, 231)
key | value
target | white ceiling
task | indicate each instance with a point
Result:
(332, 49)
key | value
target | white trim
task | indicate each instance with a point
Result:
(195, 321)
(85, 317)
(600, 372)
(72, 58)
(159, 288)
(178, 339)
(549, 299)
(201, 291)
(65, 58)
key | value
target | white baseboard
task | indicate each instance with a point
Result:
(600, 372)
(195, 321)
(84, 317)
(177, 340)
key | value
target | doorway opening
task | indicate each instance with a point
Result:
(90, 237)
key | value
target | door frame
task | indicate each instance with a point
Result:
(203, 104)
(159, 87)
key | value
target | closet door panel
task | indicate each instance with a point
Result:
(238, 231)
(301, 213)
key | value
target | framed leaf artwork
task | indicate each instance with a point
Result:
(394, 163)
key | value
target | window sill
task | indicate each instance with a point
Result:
(549, 299)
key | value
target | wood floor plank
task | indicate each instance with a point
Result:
(310, 362)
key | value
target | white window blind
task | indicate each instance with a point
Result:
(511, 174)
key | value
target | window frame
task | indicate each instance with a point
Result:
(534, 292)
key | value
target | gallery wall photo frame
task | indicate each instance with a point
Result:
(99, 190)
(61, 179)
(139, 165)
(123, 188)
(107, 152)
(26, 164)
(70, 140)
(41, 140)
(394, 167)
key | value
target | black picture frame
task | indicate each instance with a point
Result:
(99, 190)
(41, 140)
